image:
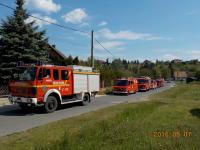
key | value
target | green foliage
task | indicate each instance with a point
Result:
(160, 69)
(76, 61)
(69, 60)
(20, 41)
(122, 68)
(197, 74)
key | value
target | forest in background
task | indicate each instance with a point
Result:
(119, 68)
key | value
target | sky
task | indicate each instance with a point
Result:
(129, 29)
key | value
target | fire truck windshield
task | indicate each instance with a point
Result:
(121, 83)
(141, 81)
(25, 74)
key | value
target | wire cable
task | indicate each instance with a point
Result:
(104, 48)
(61, 26)
(56, 24)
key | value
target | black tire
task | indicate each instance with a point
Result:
(86, 100)
(51, 104)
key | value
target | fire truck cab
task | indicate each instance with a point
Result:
(50, 86)
(125, 86)
(144, 83)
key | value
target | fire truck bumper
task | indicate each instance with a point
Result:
(120, 92)
(142, 89)
(16, 100)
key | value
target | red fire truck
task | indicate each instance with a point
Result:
(160, 82)
(125, 86)
(144, 83)
(50, 86)
(153, 84)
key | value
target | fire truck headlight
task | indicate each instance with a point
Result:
(29, 100)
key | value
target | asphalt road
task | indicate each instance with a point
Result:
(12, 119)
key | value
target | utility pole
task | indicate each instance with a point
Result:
(138, 67)
(92, 49)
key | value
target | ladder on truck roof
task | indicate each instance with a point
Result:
(82, 68)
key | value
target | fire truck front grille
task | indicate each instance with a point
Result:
(120, 89)
(24, 92)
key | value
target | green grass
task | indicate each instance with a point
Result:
(125, 126)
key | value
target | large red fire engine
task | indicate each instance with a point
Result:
(125, 86)
(144, 83)
(153, 84)
(160, 82)
(50, 86)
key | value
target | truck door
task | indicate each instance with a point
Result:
(44, 81)
(66, 79)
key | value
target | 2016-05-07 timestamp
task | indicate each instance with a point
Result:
(175, 134)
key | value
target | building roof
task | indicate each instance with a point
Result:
(58, 53)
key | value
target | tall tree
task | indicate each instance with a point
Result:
(20, 41)
(75, 61)
(69, 60)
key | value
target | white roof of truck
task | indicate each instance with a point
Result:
(80, 68)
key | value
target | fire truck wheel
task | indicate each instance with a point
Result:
(51, 104)
(86, 99)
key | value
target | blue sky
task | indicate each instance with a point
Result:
(131, 29)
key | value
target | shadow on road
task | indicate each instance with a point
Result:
(14, 110)
(195, 112)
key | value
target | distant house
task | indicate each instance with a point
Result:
(55, 53)
(180, 75)
(176, 61)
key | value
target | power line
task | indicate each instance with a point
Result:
(104, 48)
(61, 26)
(56, 24)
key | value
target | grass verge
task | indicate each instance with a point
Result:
(171, 120)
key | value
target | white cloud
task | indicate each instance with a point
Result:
(38, 22)
(47, 6)
(76, 16)
(170, 57)
(193, 54)
(84, 24)
(115, 45)
(126, 35)
(103, 23)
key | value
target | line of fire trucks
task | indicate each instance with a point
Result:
(133, 85)
(50, 86)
